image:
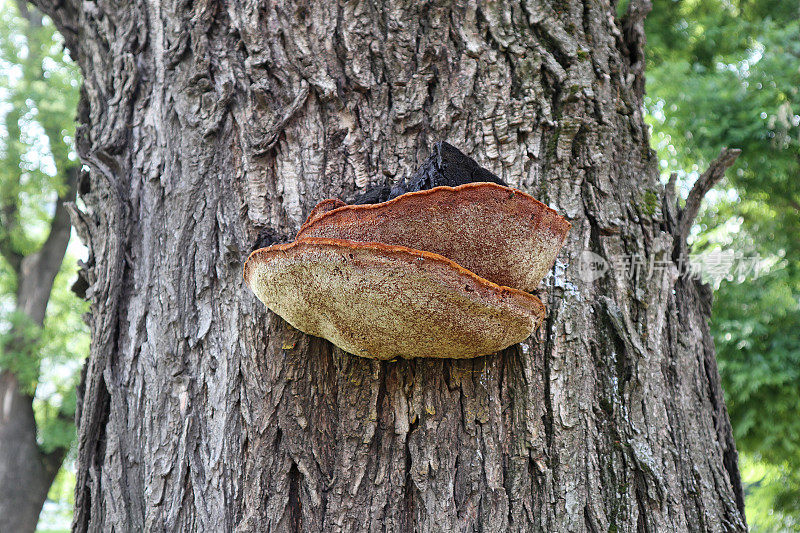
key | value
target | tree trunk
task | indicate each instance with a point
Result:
(26, 472)
(205, 122)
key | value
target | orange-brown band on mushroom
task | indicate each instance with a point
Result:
(501, 234)
(382, 301)
(320, 209)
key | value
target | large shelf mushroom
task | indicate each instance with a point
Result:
(499, 233)
(435, 273)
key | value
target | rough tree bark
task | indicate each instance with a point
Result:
(205, 122)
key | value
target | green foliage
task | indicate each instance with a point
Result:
(622, 7)
(56, 515)
(759, 356)
(65, 344)
(727, 73)
(768, 487)
(38, 100)
(39, 88)
(20, 347)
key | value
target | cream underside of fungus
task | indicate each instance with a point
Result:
(382, 301)
(499, 233)
(435, 273)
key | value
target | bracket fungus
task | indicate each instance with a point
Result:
(382, 301)
(442, 272)
(499, 233)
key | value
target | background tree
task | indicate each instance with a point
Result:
(41, 335)
(728, 73)
(204, 123)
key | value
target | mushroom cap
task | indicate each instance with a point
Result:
(381, 301)
(499, 233)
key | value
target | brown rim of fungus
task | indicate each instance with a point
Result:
(321, 208)
(473, 314)
(500, 233)
(418, 194)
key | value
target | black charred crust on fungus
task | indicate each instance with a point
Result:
(268, 237)
(446, 166)
(374, 195)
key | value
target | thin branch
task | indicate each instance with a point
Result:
(9, 217)
(704, 183)
(33, 18)
(39, 270)
(9, 194)
(8, 252)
